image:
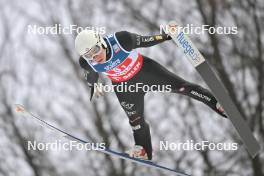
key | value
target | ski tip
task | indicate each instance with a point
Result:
(19, 108)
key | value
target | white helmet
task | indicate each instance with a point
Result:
(86, 39)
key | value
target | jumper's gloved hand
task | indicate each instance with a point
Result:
(165, 35)
(96, 88)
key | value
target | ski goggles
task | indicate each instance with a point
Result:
(91, 53)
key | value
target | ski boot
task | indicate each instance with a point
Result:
(137, 152)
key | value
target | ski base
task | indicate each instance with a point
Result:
(216, 86)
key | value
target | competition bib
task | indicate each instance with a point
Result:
(122, 65)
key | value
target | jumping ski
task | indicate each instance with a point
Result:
(218, 89)
(20, 109)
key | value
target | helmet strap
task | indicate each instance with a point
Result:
(105, 47)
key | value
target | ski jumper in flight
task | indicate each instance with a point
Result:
(115, 55)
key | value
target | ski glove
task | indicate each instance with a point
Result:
(165, 35)
(92, 79)
(97, 90)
